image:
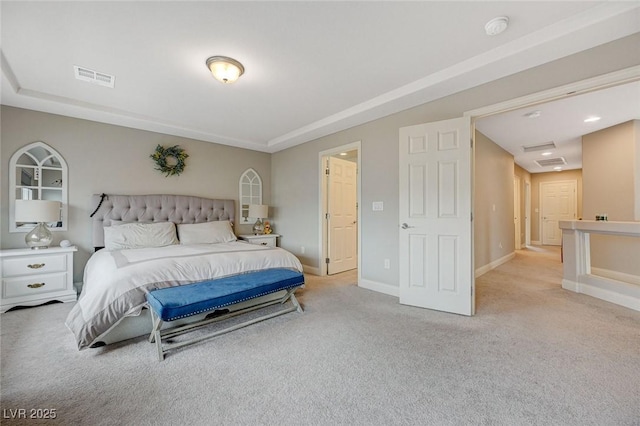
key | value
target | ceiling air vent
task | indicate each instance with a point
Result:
(547, 162)
(541, 147)
(95, 77)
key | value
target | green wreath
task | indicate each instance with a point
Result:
(160, 157)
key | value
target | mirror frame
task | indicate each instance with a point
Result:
(257, 181)
(12, 186)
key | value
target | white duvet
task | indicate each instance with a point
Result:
(116, 282)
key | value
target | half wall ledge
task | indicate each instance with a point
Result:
(577, 272)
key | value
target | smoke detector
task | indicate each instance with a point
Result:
(496, 25)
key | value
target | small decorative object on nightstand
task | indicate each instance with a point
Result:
(33, 277)
(261, 240)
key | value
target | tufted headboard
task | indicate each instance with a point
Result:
(156, 208)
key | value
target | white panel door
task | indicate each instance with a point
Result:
(557, 202)
(436, 267)
(343, 214)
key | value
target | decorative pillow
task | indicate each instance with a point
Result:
(206, 232)
(140, 235)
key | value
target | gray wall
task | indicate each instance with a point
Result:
(295, 173)
(493, 231)
(609, 170)
(114, 159)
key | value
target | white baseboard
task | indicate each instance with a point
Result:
(489, 266)
(615, 275)
(310, 270)
(388, 289)
(620, 293)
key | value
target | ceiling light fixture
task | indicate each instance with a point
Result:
(557, 168)
(591, 119)
(224, 69)
(496, 25)
(533, 114)
(546, 153)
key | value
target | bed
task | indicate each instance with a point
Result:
(136, 252)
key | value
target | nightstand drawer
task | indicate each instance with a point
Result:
(32, 285)
(267, 240)
(264, 241)
(34, 265)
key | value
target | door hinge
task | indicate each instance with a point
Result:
(326, 171)
(471, 216)
(326, 216)
(326, 260)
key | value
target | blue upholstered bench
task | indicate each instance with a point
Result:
(172, 303)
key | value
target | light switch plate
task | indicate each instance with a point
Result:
(377, 206)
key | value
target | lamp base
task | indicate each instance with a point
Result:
(39, 238)
(258, 227)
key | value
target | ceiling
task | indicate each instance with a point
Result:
(561, 122)
(312, 68)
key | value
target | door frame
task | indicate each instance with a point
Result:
(322, 205)
(615, 78)
(517, 203)
(527, 213)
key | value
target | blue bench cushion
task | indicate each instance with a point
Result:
(183, 301)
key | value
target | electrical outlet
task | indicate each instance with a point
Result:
(500, 245)
(302, 250)
(387, 264)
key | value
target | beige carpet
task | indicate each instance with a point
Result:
(533, 354)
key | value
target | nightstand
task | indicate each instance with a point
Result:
(269, 240)
(33, 277)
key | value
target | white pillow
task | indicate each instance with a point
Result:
(206, 232)
(140, 235)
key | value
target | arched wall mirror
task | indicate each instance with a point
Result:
(250, 193)
(37, 172)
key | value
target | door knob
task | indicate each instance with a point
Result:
(405, 226)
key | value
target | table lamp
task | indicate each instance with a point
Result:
(259, 211)
(41, 212)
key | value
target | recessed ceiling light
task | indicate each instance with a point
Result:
(591, 119)
(546, 153)
(533, 114)
(557, 168)
(343, 153)
(496, 25)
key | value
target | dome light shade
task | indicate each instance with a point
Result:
(224, 69)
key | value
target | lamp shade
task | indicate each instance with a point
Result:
(37, 211)
(259, 211)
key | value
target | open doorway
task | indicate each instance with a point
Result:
(543, 133)
(340, 194)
